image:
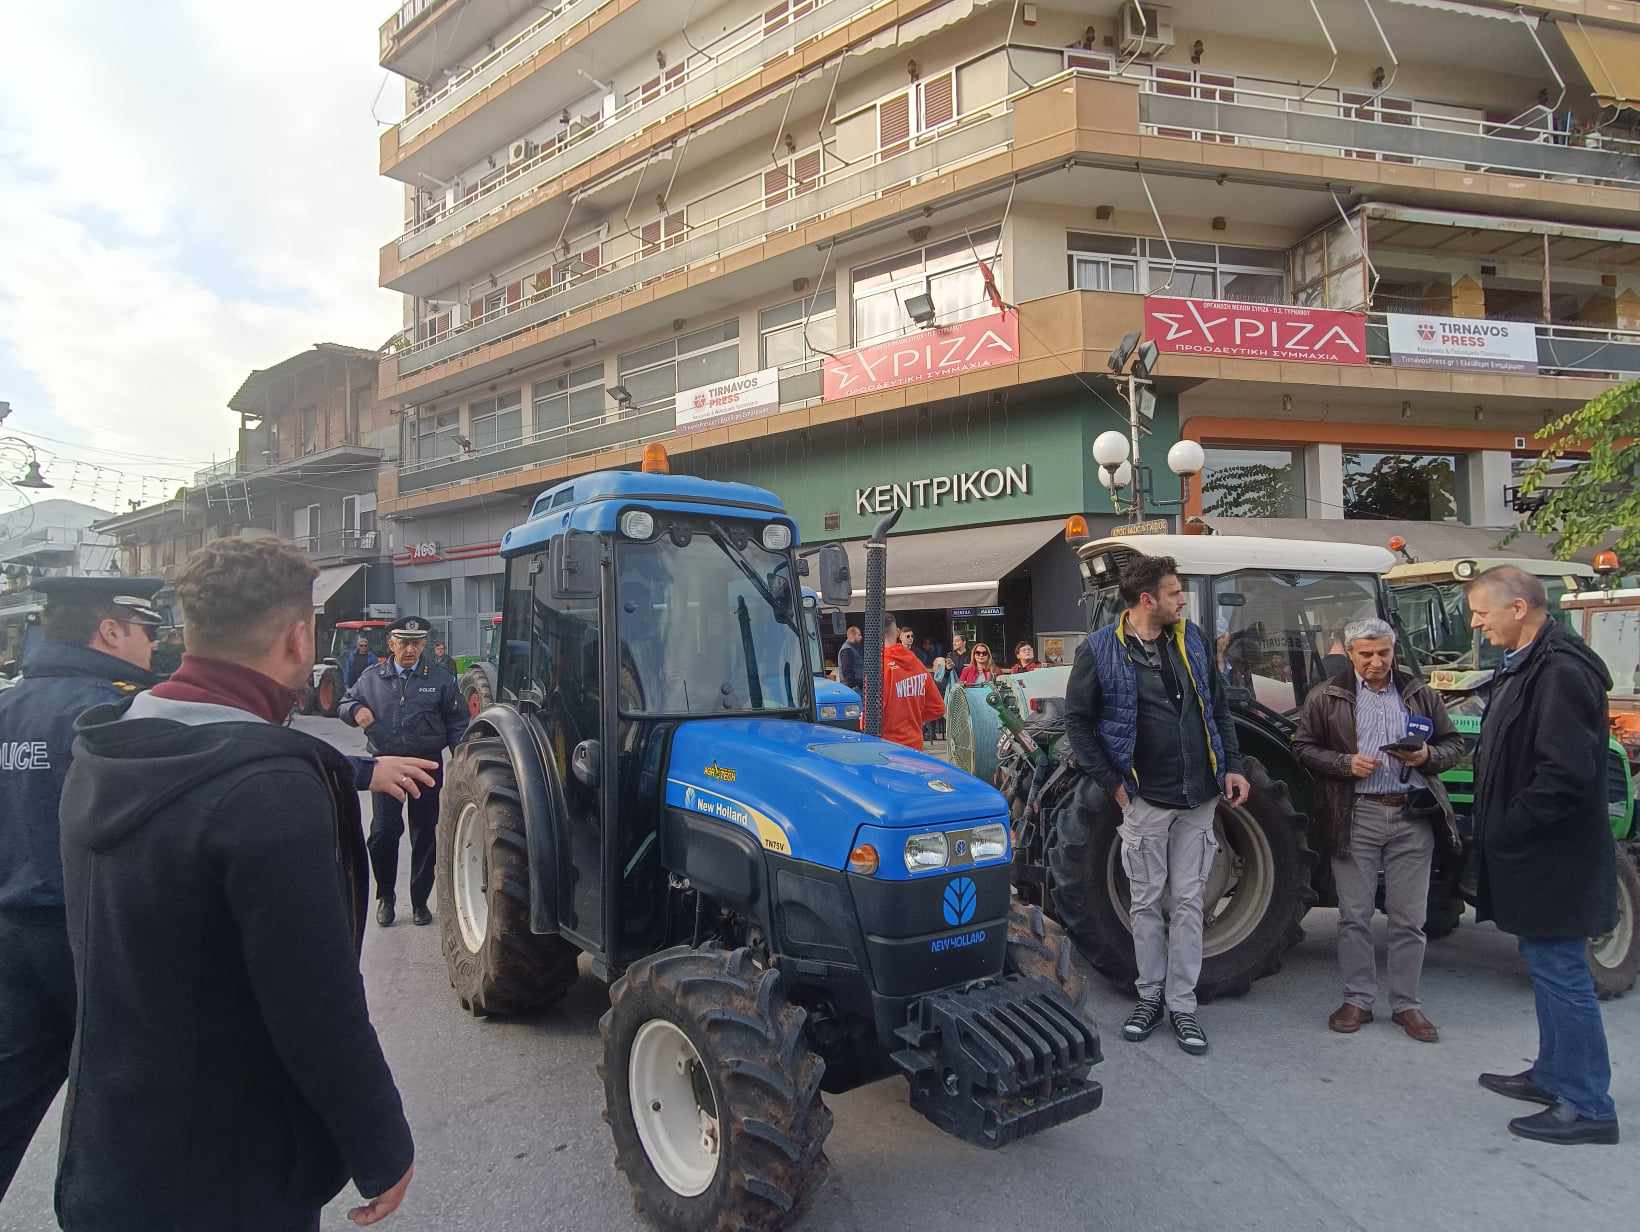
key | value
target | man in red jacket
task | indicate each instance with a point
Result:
(910, 696)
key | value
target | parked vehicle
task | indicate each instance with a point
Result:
(835, 704)
(325, 685)
(478, 671)
(783, 909)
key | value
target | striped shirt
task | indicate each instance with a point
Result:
(1380, 719)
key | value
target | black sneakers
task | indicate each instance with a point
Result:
(1187, 1032)
(1144, 1019)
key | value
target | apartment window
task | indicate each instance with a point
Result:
(488, 595)
(948, 271)
(1253, 483)
(1416, 487)
(358, 402)
(1329, 268)
(1200, 271)
(310, 429)
(496, 421)
(661, 233)
(569, 399)
(654, 374)
(782, 343)
(305, 527)
(436, 436)
(434, 598)
(359, 519)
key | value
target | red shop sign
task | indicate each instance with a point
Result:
(928, 355)
(1255, 331)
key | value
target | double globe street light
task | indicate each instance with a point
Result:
(1117, 455)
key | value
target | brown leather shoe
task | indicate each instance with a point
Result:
(1416, 1025)
(1348, 1018)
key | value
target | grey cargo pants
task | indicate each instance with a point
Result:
(1167, 854)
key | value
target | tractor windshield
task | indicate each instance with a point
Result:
(1280, 633)
(709, 623)
(1436, 619)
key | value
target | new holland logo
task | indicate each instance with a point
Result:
(939, 785)
(721, 773)
(959, 901)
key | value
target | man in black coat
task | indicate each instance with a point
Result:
(95, 648)
(1547, 863)
(225, 1072)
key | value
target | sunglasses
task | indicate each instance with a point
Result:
(982, 654)
(148, 630)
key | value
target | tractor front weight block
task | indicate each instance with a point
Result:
(998, 1060)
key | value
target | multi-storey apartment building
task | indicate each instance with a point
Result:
(873, 253)
(312, 438)
(48, 538)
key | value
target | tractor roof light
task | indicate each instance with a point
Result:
(1606, 562)
(1076, 528)
(777, 536)
(655, 461)
(863, 860)
(1464, 570)
(638, 524)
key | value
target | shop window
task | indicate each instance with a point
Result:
(783, 343)
(496, 421)
(434, 598)
(1418, 487)
(1253, 483)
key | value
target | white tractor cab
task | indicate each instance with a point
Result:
(1429, 601)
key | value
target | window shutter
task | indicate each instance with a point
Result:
(650, 233)
(775, 17)
(894, 125)
(937, 102)
(806, 171)
(674, 227)
(774, 186)
(475, 310)
(515, 292)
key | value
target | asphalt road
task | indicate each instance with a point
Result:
(1284, 1126)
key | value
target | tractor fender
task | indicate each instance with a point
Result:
(540, 798)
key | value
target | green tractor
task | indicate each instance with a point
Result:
(476, 673)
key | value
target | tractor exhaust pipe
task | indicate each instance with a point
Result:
(876, 605)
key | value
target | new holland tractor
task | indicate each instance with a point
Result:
(782, 910)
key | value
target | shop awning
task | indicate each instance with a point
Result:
(1609, 58)
(943, 569)
(329, 582)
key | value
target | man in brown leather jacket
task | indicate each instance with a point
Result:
(1377, 739)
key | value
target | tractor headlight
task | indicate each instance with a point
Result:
(828, 712)
(637, 524)
(777, 536)
(925, 851)
(852, 710)
(988, 842)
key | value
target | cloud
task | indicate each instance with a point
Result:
(187, 192)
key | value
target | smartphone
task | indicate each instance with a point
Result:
(1402, 746)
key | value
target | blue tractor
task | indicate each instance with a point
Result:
(782, 909)
(835, 704)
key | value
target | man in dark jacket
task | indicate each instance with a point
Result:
(1146, 716)
(407, 708)
(96, 647)
(225, 1071)
(1547, 864)
(358, 662)
(441, 658)
(1369, 793)
(851, 662)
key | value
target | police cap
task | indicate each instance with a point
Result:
(132, 598)
(410, 627)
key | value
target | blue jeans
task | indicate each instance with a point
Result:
(1572, 1062)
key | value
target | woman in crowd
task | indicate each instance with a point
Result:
(980, 669)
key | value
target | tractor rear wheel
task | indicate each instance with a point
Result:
(475, 688)
(1614, 958)
(711, 1093)
(1258, 892)
(327, 694)
(496, 964)
(1038, 946)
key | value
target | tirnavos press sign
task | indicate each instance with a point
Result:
(1462, 344)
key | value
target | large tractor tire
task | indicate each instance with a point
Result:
(497, 965)
(1615, 958)
(711, 1093)
(476, 690)
(1257, 894)
(1040, 947)
(327, 694)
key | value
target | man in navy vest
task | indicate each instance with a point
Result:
(97, 645)
(1146, 716)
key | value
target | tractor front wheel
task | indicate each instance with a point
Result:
(496, 964)
(1614, 959)
(1038, 946)
(1258, 890)
(711, 1093)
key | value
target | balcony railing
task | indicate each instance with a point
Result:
(408, 14)
(360, 544)
(1276, 115)
(633, 261)
(739, 54)
(1563, 350)
(438, 104)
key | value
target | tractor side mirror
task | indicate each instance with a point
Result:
(1230, 598)
(835, 587)
(837, 626)
(575, 560)
(583, 763)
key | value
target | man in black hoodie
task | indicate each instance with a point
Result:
(225, 1071)
(1546, 861)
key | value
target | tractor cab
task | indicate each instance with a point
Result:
(835, 704)
(784, 908)
(347, 634)
(326, 685)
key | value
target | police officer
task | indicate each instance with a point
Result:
(406, 707)
(97, 645)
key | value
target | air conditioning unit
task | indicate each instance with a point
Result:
(1152, 38)
(521, 152)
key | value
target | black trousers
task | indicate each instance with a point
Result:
(387, 827)
(36, 1024)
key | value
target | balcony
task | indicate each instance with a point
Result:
(423, 37)
(735, 58)
(49, 546)
(344, 545)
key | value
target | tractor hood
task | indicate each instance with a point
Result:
(805, 791)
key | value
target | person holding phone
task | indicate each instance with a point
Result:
(1377, 739)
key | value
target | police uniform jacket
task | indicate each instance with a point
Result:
(418, 713)
(60, 682)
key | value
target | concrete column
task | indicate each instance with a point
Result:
(1324, 481)
(1483, 476)
(1455, 295)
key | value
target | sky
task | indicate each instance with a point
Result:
(188, 191)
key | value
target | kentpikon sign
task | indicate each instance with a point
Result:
(935, 491)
